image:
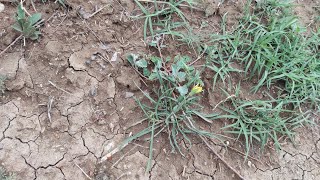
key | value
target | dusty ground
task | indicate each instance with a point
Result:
(70, 76)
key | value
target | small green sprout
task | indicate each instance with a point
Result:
(27, 26)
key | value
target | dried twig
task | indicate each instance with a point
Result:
(58, 87)
(141, 76)
(82, 171)
(236, 150)
(3, 51)
(122, 175)
(49, 106)
(111, 153)
(98, 10)
(95, 35)
(199, 57)
(123, 157)
(65, 17)
(24, 9)
(105, 59)
(33, 6)
(231, 96)
(224, 161)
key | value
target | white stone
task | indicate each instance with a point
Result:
(1, 7)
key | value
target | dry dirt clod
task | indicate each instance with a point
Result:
(77, 60)
(9, 64)
(211, 10)
(105, 90)
(22, 78)
(129, 78)
(82, 12)
(54, 47)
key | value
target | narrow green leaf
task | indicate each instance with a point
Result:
(33, 19)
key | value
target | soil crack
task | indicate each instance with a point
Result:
(204, 174)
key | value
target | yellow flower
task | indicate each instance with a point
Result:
(196, 89)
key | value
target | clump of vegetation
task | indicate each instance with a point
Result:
(261, 120)
(27, 26)
(273, 49)
(173, 105)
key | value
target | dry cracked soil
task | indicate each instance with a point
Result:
(69, 100)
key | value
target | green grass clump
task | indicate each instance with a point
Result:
(159, 16)
(220, 63)
(173, 106)
(274, 49)
(262, 120)
(27, 26)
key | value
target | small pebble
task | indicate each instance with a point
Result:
(93, 91)
(88, 62)
(111, 126)
(129, 94)
(93, 57)
(1, 7)
(114, 57)
(104, 47)
(83, 13)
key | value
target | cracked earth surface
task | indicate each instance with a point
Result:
(92, 105)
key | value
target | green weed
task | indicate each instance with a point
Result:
(220, 64)
(27, 26)
(173, 106)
